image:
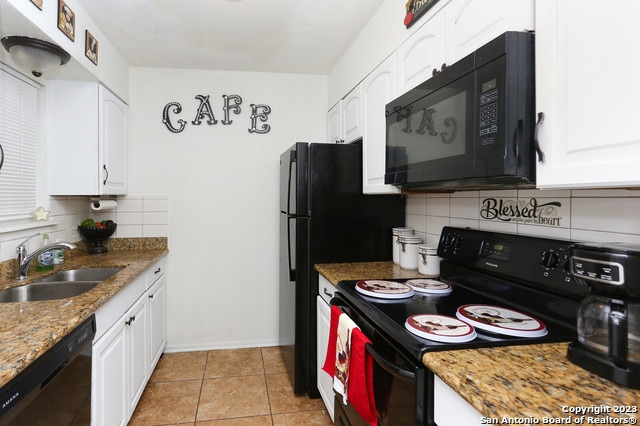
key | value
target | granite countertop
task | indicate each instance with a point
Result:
(513, 382)
(28, 329)
(336, 272)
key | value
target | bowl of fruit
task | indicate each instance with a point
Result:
(97, 232)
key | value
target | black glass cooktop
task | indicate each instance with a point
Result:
(388, 316)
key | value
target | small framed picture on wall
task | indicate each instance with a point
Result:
(91, 47)
(38, 3)
(66, 20)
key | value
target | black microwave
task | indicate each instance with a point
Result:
(471, 125)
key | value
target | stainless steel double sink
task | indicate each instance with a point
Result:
(60, 285)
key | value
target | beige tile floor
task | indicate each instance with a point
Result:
(234, 387)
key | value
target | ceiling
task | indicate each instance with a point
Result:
(297, 36)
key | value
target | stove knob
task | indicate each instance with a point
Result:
(550, 259)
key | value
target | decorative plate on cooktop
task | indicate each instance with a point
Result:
(429, 286)
(497, 319)
(384, 289)
(440, 328)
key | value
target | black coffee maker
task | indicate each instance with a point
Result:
(609, 317)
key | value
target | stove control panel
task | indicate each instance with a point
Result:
(598, 270)
(540, 262)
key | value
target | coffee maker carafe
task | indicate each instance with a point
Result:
(609, 317)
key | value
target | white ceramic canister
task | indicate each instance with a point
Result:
(428, 261)
(409, 251)
(397, 232)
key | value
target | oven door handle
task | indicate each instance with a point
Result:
(389, 366)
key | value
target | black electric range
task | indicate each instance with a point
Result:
(523, 273)
(523, 277)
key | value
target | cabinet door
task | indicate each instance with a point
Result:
(72, 137)
(378, 89)
(323, 323)
(113, 137)
(472, 23)
(157, 322)
(352, 115)
(137, 352)
(108, 377)
(334, 124)
(324, 382)
(585, 86)
(421, 53)
(451, 409)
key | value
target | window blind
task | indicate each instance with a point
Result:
(19, 140)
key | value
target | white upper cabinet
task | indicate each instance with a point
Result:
(112, 141)
(87, 139)
(345, 118)
(334, 124)
(352, 115)
(378, 89)
(421, 54)
(472, 23)
(586, 87)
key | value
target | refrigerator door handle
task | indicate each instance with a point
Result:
(292, 160)
(292, 271)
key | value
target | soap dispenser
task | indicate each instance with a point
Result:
(45, 260)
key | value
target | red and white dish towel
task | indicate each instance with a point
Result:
(350, 365)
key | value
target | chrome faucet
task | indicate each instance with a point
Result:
(23, 260)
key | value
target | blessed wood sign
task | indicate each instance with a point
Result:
(231, 104)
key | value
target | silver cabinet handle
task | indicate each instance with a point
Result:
(157, 271)
(106, 174)
(324, 290)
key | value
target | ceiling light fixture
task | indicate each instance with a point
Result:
(35, 56)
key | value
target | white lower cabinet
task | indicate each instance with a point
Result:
(450, 409)
(137, 328)
(126, 349)
(157, 321)
(108, 375)
(323, 322)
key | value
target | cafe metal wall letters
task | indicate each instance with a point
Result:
(204, 113)
(530, 212)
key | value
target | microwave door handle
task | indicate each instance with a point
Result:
(388, 365)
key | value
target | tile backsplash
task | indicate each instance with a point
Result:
(136, 216)
(576, 215)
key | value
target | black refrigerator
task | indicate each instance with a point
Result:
(324, 218)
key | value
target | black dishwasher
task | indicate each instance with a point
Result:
(56, 388)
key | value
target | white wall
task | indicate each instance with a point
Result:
(222, 184)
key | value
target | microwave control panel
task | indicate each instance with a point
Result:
(488, 120)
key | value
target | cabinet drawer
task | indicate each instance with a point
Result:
(156, 271)
(108, 313)
(325, 289)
